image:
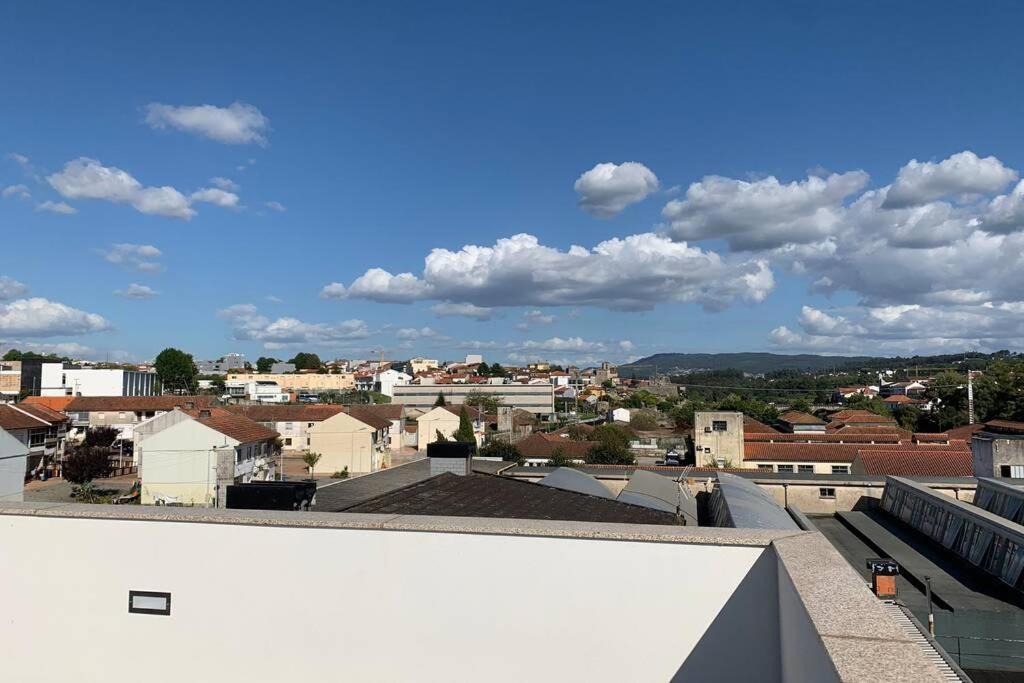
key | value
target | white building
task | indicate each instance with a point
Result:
(13, 465)
(261, 391)
(56, 380)
(474, 359)
(385, 382)
(619, 415)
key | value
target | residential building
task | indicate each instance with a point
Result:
(445, 420)
(998, 450)
(538, 399)
(356, 441)
(385, 381)
(795, 421)
(418, 365)
(718, 438)
(280, 368)
(260, 391)
(315, 382)
(191, 456)
(537, 449)
(292, 422)
(13, 466)
(122, 412)
(230, 361)
(10, 380)
(60, 380)
(618, 415)
(474, 359)
(40, 429)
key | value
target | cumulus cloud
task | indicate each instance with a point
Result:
(276, 206)
(236, 124)
(249, 325)
(534, 318)
(57, 207)
(763, 213)
(1005, 213)
(142, 257)
(964, 173)
(417, 333)
(18, 191)
(69, 349)
(11, 288)
(216, 196)
(631, 273)
(608, 188)
(447, 310)
(85, 178)
(38, 317)
(225, 184)
(137, 291)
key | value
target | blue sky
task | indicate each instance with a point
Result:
(734, 177)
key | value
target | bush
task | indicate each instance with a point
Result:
(613, 434)
(101, 437)
(644, 421)
(607, 453)
(501, 449)
(341, 475)
(559, 458)
(86, 464)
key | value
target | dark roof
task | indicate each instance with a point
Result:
(915, 463)
(965, 432)
(88, 404)
(456, 409)
(485, 495)
(338, 495)
(237, 427)
(1008, 426)
(795, 417)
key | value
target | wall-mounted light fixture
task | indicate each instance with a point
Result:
(149, 602)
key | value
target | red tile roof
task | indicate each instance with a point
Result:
(88, 404)
(915, 463)
(965, 432)
(368, 418)
(1006, 425)
(833, 452)
(795, 417)
(28, 417)
(286, 413)
(58, 403)
(752, 426)
(543, 446)
(857, 416)
(237, 427)
(853, 436)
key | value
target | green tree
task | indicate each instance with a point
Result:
(872, 404)
(100, 437)
(908, 418)
(176, 370)
(263, 363)
(644, 420)
(306, 361)
(440, 401)
(86, 464)
(488, 403)
(12, 354)
(496, 448)
(559, 458)
(497, 370)
(613, 434)
(609, 453)
(577, 432)
(801, 405)
(311, 459)
(439, 436)
(948, 393)
(483, 370)
(465, 432)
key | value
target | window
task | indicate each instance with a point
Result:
(719, 426)
(149, 602)
(1012, 471)
(827, 493)
(765, 468)
(840, 469)
(805, 469)
(785, 468)
(288, 441)
(37, 438)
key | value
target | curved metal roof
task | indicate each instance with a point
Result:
(749, 506)
(568, 479)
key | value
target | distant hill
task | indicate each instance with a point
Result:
(754, 363)
(759, 363)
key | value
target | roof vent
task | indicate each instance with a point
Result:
(451, 456)
(204, 413)
(190, 405)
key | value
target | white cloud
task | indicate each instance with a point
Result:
(334, 290)
(632, 273)
(142, 257)
(561, 345)
(11, 288)
(137, 291)
(249, 325)
(38, 317)
(964, 173)
(57, 207)
(225, 184)
(446, 310)
(413, 333)
(20, 159)
(608, 188)
(19, 191)
(276, 206)
(69, 349)
(236, 124)
(274, 299)
(85, 178)
(764, 213)
(1005, 213)
(534, 318)
(626, 345)
(218, 197)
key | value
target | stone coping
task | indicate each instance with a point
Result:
(462, 525)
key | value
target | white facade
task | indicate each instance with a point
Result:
(13, 464)
(619, 415)
(263, 391)
(56, 380)
(385, 382)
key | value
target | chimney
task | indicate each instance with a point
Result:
(190, 405)
(204, 413)
(883, 577)
(451, 456)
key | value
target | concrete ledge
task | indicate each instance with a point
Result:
(458, 525)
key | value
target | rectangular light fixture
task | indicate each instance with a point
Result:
(149, 602)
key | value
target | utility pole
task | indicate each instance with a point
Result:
(970, 397)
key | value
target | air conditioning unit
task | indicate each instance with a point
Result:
(707, 430)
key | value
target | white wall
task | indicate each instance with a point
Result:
(262, 603)
(181, 462)
(13, 463)
(57, 381)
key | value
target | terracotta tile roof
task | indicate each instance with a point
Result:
(915, 463)
(1006, 426)
(88, 404)
(901, 398)
(832, 452)
(795, 417)
(456, 409)
(237, 427)
(926, 436)
(965, 432)
(856, 416)
(752, 426)
(58, 403)
(28, 417)
(855, 436)
(368, 418)
(286, 413)
(543, 446)
(582, 426)
(387, 411)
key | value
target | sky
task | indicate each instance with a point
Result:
(572, 182)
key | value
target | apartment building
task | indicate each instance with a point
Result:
(305, 381)
(59, 380)
(538, 399)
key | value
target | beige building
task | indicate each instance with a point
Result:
(444, 419)
(538, 399)
(357, 441)
(718, 438)
(342, 381)
(10, 379)
(418, 365)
